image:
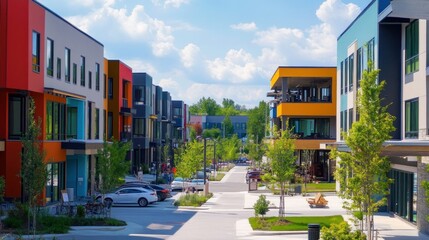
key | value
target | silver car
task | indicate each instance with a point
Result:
(179, 183)
(132, 195)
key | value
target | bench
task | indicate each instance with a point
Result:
(318, 201)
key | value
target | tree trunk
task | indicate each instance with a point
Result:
(282, 201)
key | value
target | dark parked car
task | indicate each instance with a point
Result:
(161, 192)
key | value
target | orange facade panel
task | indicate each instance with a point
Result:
(54, 152)
(301, 144)
(282, 72)
(306, 109)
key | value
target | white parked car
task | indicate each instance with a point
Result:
(197, 183)
(179, 183)
(132, 195)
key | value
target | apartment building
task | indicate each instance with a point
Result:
(44, 57)
(181, 119)
(239, 124)
(304, 101)
(393, 35)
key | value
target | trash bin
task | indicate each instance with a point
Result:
(253, 184)
(298, 189)
(313, 231)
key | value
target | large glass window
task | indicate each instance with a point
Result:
(72, 122)
(35, 51)
(74, 73)
(139, 94)
(50, 57)
(346, 75)
(370, 54)
(55, 182)
(67, 64)
(90, 106)
(139, 127)
(350, 117)
(351, 67)
(17, 116)
(109, 125)
(55, 121)
(97, 123)
(58, 68)
(110, 88)
(359, 66)
(310, 127)
(412, 118)
(97, 77)
(82, 71)
(412, 47)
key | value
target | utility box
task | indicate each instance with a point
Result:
(253, 184)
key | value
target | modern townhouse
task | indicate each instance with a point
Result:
(393, 35)
(167, 128)
(44, 57)
(304, 101)
(181, 119)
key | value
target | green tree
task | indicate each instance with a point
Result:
(228, 148)
(362, 172)
(256, 151)
(112, 165)
(204, 106)
(308, 155)
(257, 122)
(282, 157)
(228, 127)
(213, 133)
(34, 173)
(261, 206)
(191, 159)
(228, 108)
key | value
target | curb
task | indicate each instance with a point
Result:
(274, 233)
(98, 228)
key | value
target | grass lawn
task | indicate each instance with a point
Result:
(292, 223)
(319, 187)
(219, 177)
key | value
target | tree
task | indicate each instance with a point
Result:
(281, 154)
(306, 163)
(204, 106)
(228, 128)
(257, 122)
(256, 151)
(228, 148)
(362, 172)
(191, 160)
(34, 173)
(112, 165)
(211, 133)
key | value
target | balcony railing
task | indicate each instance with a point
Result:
(301, 135)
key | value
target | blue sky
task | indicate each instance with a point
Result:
(213, 48)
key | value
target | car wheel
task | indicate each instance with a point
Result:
(108, 201)
(142, 202)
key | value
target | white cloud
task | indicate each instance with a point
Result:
(188, 54)
(141, 66)
(244, 26)
(238, 66)
(337, 14)
(170, 3)
(122, 24)
(169, 84)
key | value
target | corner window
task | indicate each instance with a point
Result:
(67, 64)
(412, 47)
(412, 118)
(50, 57)
(35, 51)
(82, 71)
(58, 68)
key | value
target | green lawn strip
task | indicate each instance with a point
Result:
(319, 187)
(292, 223)
(219, 177)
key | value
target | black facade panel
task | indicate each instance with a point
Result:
(389, 63)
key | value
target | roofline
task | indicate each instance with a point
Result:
(358, 16)
(298, 67)
(61, 18)
(120, 62)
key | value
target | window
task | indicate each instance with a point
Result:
(350, 117)
(310, 128)
(55, 181)
(97, 123)
(412, 47)
(342, 77)
(351, 62)
(97, 77)
(17, 116)
(110, 88)
(72, 122)
(82, 71)
(346, 75)
(104, 123)
(138, 94)
(359, 66)
(139, 127)
(58, 68)
(341, 124)
(105, 85)
(55, 121)
(110, 125)
(90, 105)
(74, 73)
(370, 54)
(177, 112)
(67, 64)
(35, 51)
(90, 80)
(345, 121)
(412, 118)
(50, 57)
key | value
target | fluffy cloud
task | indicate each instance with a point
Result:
(170, 3)
(188, 54)
(337, 14)
(141, 66)
(133, 24)
(238, 66)
(244, 26)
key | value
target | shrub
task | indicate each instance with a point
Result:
(13, 222)
(341, 231)
(194, 200)
(261, 206)
(80, 211)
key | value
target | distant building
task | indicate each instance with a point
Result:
(239, 123)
